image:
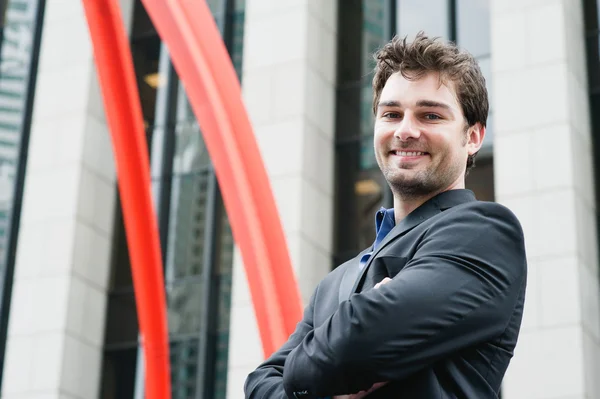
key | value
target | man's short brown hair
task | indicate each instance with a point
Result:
(423, 55)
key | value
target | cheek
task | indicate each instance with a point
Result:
(380, 136)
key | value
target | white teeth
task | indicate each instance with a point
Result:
(409, 154)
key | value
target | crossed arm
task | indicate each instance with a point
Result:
(459, 289)
(267, 380)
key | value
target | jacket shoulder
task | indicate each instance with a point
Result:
(487, 209)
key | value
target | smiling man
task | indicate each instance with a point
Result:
(433, 308)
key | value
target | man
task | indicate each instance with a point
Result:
(433, 308)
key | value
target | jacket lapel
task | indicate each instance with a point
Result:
(350, 275)
(432, 207)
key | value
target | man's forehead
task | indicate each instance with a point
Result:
(428, 87)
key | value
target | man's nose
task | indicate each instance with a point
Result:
(408, 128)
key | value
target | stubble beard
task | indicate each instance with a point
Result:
(409, 188)
(422, 184)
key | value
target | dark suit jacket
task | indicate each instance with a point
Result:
(444, 327)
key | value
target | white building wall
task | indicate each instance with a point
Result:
(543, 172)
(289, 89)
(58, 307)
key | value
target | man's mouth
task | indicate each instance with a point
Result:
(409, 153)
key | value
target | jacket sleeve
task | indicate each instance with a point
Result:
(267, 380)
(459, 289)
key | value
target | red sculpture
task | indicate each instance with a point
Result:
(201, 60)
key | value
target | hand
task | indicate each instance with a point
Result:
(382, 282)
(362, 394)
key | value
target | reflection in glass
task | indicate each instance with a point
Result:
(370, 189)
(367, 119)
(237, 44)
(191, 154)
(184, 303)
(430, 16)
(145, 51)
(186, 226)
(224, 275)
(473, 26)
(364, 192)
(184, 366)
(374, 36)
(367, 153)
(358, 180)
(216, 6)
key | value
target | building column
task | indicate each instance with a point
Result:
(543, 169)
(289, 89)
(56, 325)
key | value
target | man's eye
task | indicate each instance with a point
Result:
(432, 117)
(391, 115)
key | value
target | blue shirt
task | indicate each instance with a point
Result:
(385, 221)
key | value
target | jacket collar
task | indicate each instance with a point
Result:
(428, 209)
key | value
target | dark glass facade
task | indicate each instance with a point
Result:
(196, 239)
(592, 37)
(363, 27)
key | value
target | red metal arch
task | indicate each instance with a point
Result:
(201, 60)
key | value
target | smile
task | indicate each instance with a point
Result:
(409, 153)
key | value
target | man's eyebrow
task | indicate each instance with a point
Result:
(433, 104)
(421, 103)
(390, 103)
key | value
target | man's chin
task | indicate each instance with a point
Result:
(410, 187)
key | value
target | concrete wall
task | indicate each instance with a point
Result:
(543, 169)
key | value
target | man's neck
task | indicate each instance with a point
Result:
(404, 206)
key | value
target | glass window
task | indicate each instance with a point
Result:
(223, 280)
(593, 61)
(184, 368)
(359, 183)
(481, 178)
(591, 15)
(121, 322)
(185, 301)
(118, 368)
(430, 16)
(237, 42)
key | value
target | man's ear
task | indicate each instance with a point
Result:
(475, 135)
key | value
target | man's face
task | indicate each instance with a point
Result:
(421, 136)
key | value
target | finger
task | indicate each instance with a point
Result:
(385, 280)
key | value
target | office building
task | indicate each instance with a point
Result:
(68, 326)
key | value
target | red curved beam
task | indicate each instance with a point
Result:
(124, 115)
(203, 64)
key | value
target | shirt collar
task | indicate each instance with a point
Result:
(384, 223)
